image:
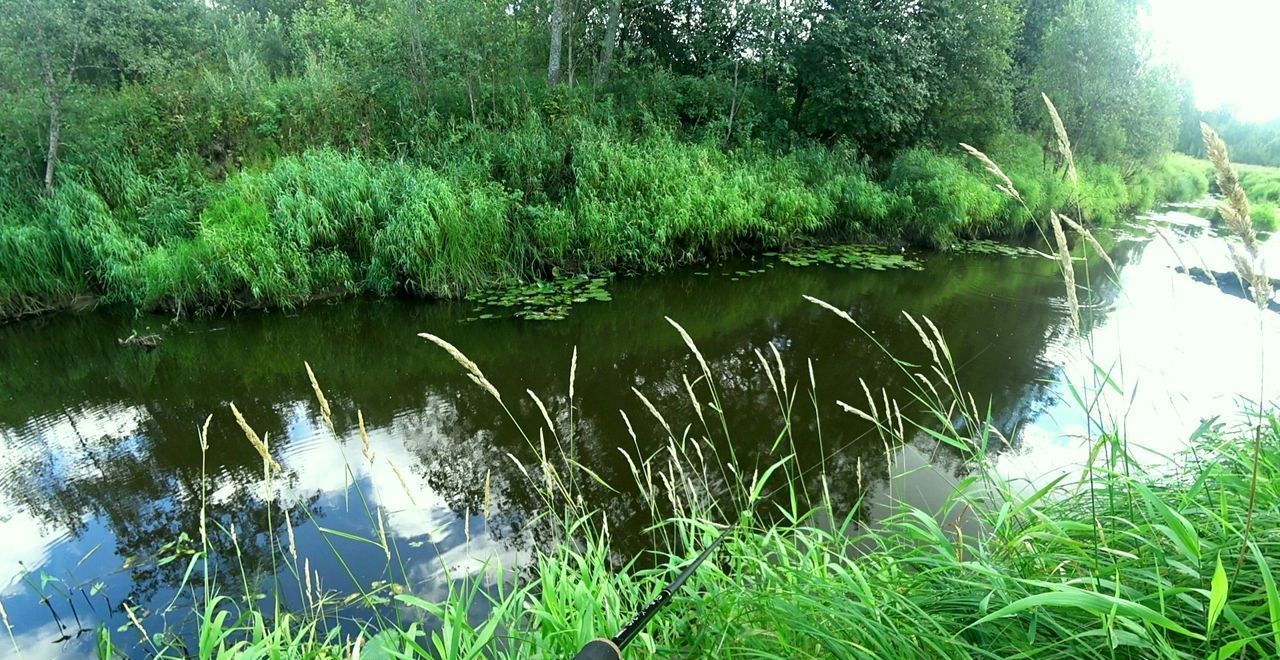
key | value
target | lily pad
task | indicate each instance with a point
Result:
(548, 300)
(867, 257)
(994, 248)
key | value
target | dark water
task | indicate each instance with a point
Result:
(101, 467)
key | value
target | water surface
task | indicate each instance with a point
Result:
(101, 467)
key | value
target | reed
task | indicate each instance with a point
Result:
(1235, 211)
(790, 585)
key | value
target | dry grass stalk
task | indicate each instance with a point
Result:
(293, 544)
(546, 416)
(573, 372)
(488, 495)
(324, 403)
(1093, 242)
(768, 372)
(204, 433)
(1235, 212)
(654, 411)
(257, 442)
(850, 409)
(697, 407)
(306, 572)
(938, 339)
(367, 450)
(382, 535)
(782, 371)
(924, 339)
(474, 371)
(403, 484)
(831, 308)
(4, 616)
(1064, 142)
(136, 623)
(1006, 184)
(692, 347)
(1068, 269)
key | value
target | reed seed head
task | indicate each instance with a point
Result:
(1235, 212)
(324, 403)
(473, 370)
(1068, 269)
(1064, 142)
(1089, 238)
(1006, 184)
(367, 449)
(706, 370)
(257, 442)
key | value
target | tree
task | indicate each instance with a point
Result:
(609, 42)
(1094, 65)
(865, 74)
(65, 44)
(557, 40)
(973, 86)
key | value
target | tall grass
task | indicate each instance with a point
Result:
(1115, 562)
(485, 206)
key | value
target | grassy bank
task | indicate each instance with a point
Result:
(1263, 186)
(1108, 560)
(489, 207)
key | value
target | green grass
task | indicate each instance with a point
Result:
(491, 207)
(1110, 561)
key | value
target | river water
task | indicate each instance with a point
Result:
(101, 466)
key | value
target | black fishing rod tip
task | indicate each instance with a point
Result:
(599, 649)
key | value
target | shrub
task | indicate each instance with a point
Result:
(1264, 217)
(947, 199)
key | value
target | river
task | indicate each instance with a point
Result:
(101, 466)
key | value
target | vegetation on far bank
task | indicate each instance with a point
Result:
(325, 221)
(263, 152)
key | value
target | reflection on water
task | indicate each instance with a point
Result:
(101, 468)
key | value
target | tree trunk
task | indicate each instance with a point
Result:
(610, 39)
(54, 100)
(55, 137)
(572, 9)
(733, 105)
(557, 38)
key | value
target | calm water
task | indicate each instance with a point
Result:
(101, 470)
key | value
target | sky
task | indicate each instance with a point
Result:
(1229, 49)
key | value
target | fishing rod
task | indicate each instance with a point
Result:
(611, 649)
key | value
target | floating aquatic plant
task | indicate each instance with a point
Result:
(867, 257)
(548, 300)
(995, 248)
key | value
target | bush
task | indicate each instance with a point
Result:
(1264, 217)
(947, 199)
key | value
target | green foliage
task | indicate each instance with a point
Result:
(948, 199)
(865, 75)
(1255, 143)
(1265, 217)
(1117, 105)
(358, 152)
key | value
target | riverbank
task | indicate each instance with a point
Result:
(498, 208)
(1106, 560)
